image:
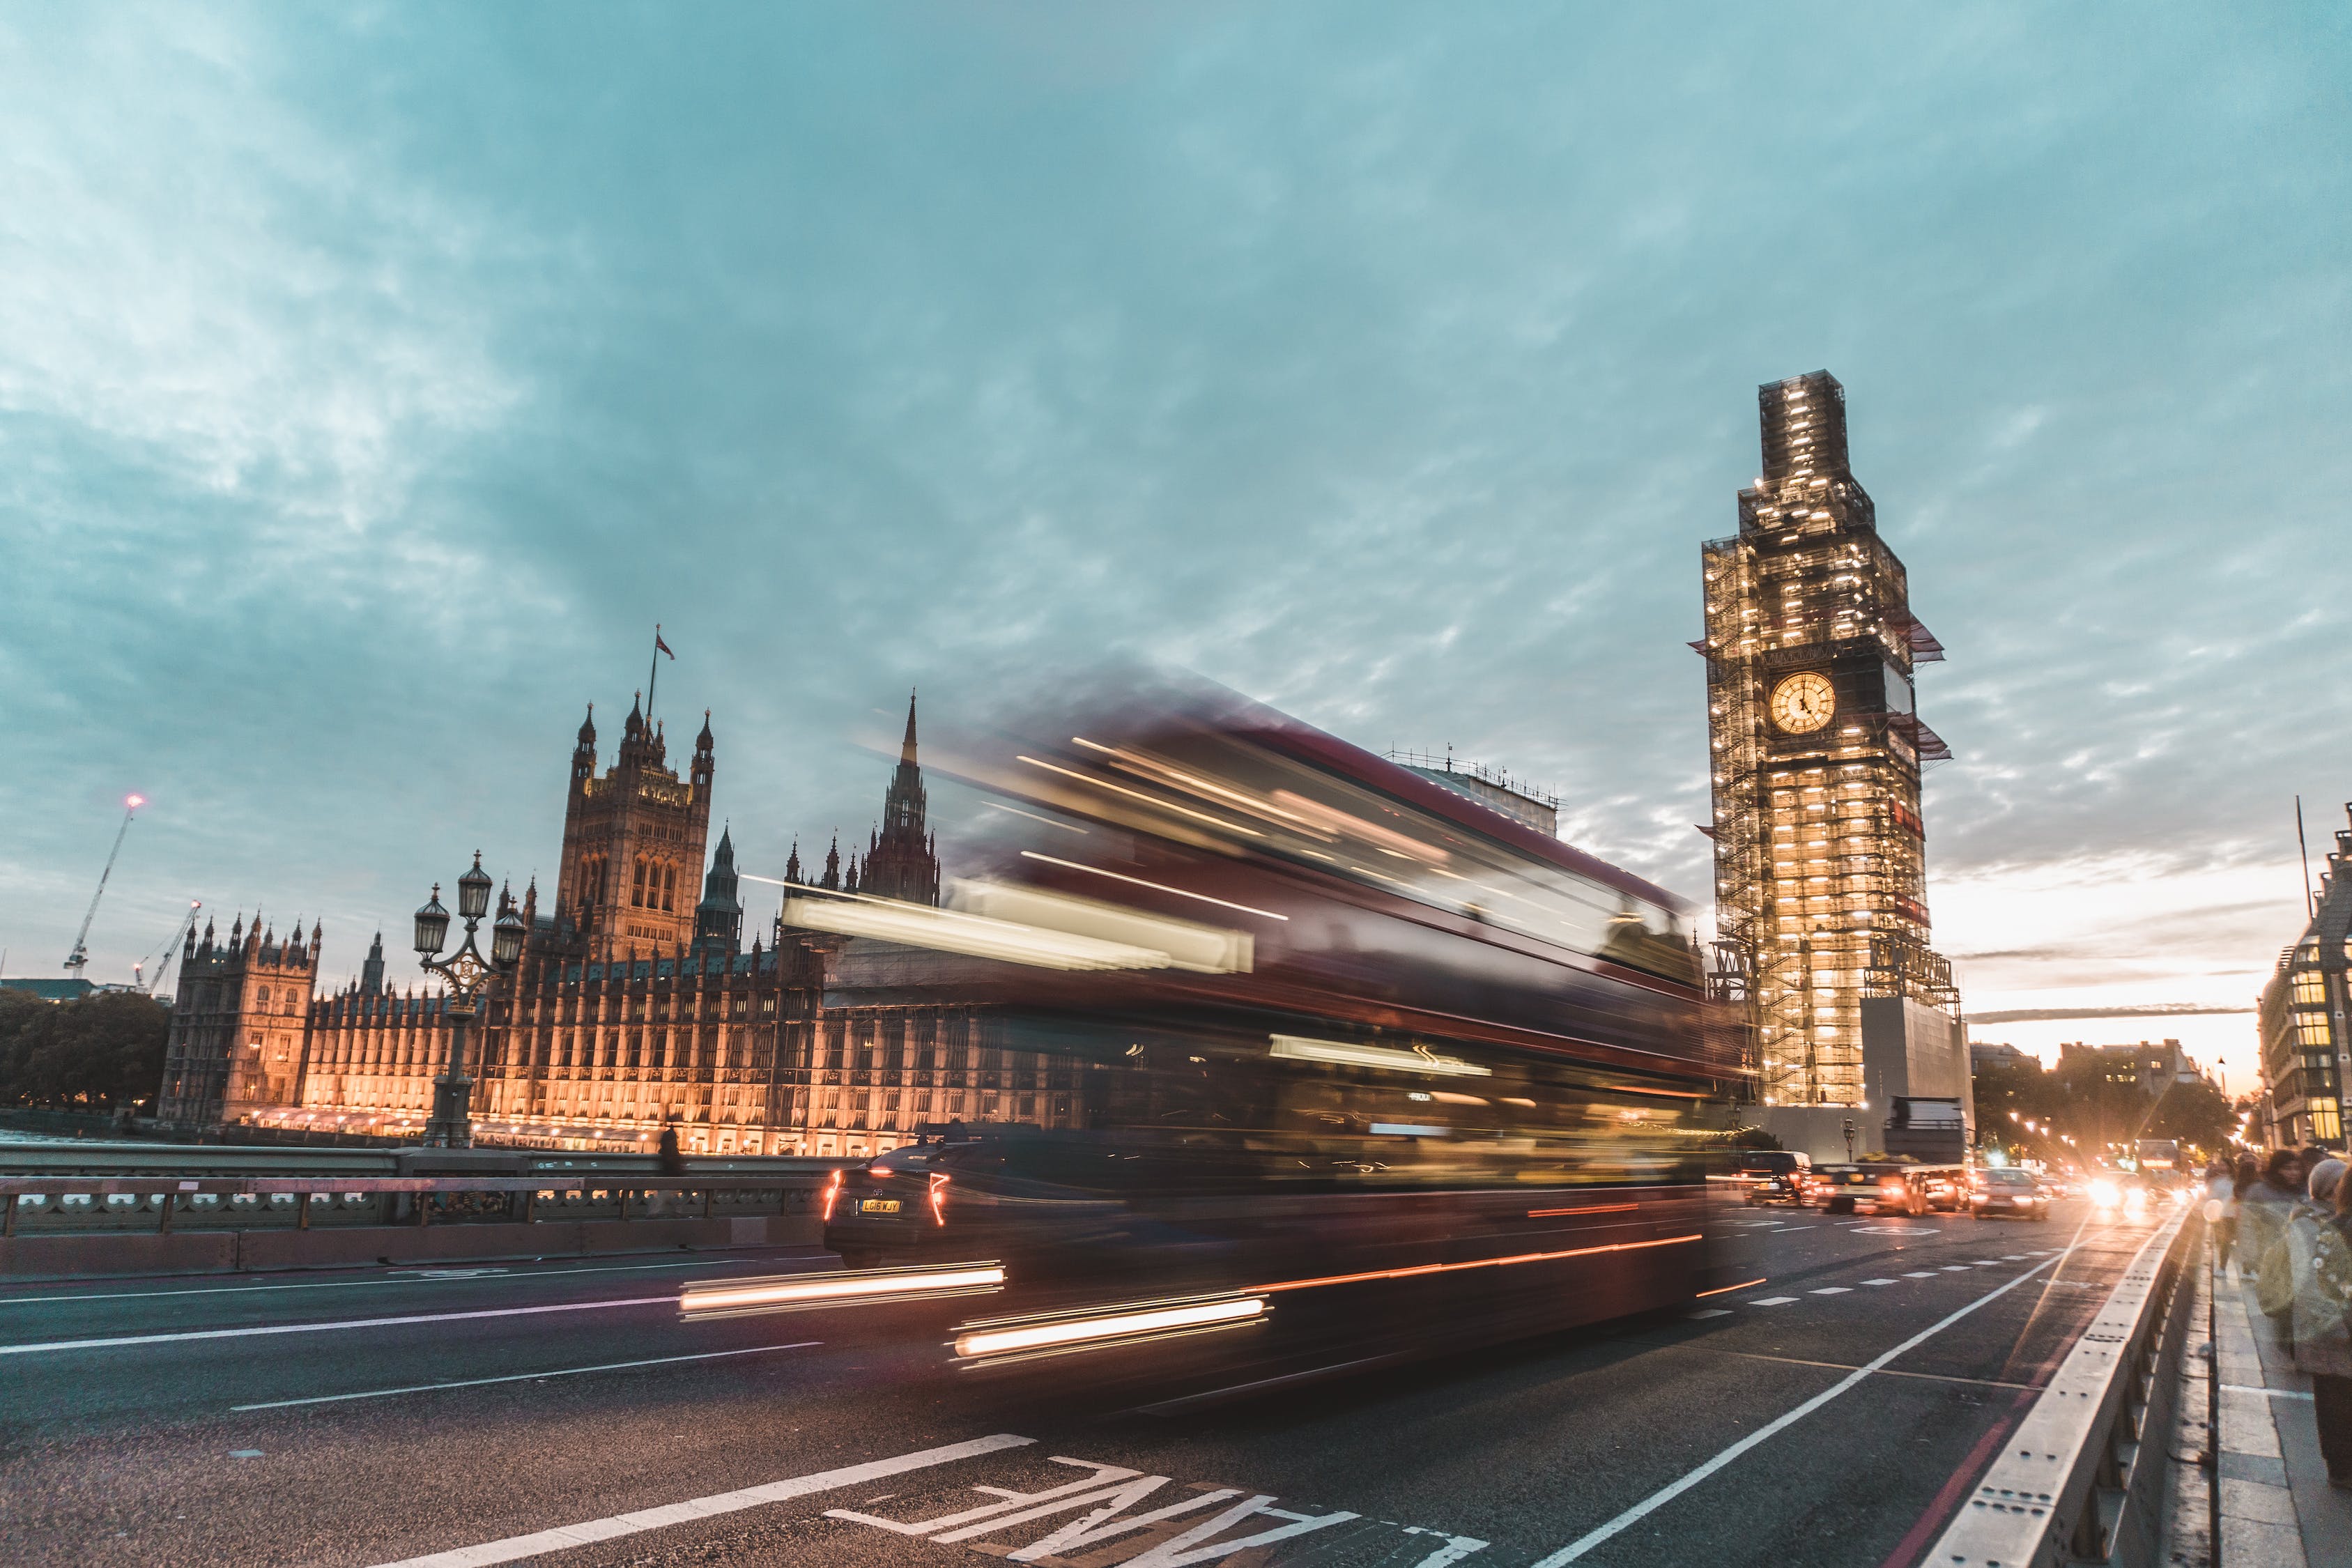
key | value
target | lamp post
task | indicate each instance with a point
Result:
(469, 975)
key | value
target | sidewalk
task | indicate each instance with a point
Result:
(2277, 1509)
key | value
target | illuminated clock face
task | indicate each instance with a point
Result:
(1803, 703)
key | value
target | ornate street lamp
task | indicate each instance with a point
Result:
(470, 976)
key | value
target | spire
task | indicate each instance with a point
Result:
(899, 860)
(793, 863)
(588, 727)
(635, 726)
(702, 742)
(372, 969)
(832, 878)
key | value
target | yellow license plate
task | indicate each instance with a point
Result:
(877, 1205)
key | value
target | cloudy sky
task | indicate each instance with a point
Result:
(371, 380)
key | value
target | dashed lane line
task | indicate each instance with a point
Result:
(1882, 1372)
(113, 1341)
(418, 1277)
(1878, 1281)
(1833, 1291)
(515, 1548)
(524, 1377)
(1672, 1489)
(1770, 1300)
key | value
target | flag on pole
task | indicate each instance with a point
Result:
(658, 643)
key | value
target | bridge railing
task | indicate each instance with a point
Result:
(36, 1206)
(2081, 1479)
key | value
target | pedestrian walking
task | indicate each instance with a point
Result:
(2323, 1314)
(2221, 1210)
(2262, 1206)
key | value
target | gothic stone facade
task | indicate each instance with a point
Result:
(630, 1008)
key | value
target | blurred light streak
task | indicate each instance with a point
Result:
(855, 1286)
(1724, 1289)
(1155, 801)
(1118, 1326)
(1167, 774)
(999, 805)
(1593, 1208)
(1187, 944)
(1156, 887)
(975, 936)
(1297, 1048)
(1479, 1263)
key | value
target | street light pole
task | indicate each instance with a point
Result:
(470, 977)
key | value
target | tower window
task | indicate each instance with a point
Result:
(637, 886)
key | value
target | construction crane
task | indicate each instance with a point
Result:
(170, 950)
(78, 958)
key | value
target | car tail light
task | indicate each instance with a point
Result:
(832, 1195)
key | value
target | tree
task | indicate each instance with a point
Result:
(2195, 1114)
(103, 1050)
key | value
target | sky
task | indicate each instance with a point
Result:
(373, 379)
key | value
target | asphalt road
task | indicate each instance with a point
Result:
(1832, 1414)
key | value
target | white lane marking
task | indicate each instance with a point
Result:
(1955, 1269)
(523, 1376)
(515, 1548)
(1831, 1290)
(1456, 1549)
(1710, 1312)
(352, 1284)
(1878, 1281)
(1672, 1489)
(1796, 1227)
(1770, 1300)
(1109, 1493)
(113, 1341)
(2266, 1393)
(1986, 1263)
(2014, 1258)
(1921, 1274)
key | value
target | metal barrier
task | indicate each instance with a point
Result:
(2081, 1479)
(31, 1206)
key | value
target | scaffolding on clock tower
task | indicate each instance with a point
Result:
(1819, 841)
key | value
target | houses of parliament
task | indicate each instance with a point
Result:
(635, 1003)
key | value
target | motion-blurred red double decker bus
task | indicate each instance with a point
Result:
(1344, 1044)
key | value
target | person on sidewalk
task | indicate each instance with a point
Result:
(2323, 1314)
(2263, 1208)
(2221, 1210)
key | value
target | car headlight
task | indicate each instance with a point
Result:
(2106, 1195)
(2136, 1199)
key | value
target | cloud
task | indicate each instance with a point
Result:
(371, 382)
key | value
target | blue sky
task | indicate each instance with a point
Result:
(373, 379)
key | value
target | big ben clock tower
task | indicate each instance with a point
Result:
(1816, 750)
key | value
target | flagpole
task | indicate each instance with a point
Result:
(653, 675)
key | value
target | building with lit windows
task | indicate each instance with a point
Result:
(636, 1004)
(2302, 1014)
(1816, 748)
